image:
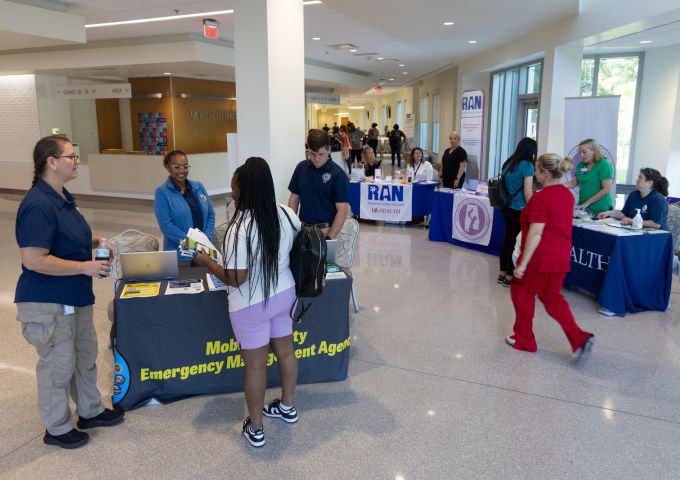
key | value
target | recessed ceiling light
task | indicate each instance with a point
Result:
(380, 58)
(316, 38)
(160, 19)
(391, 79)
(354, 50)
(646, 41)
(167, 73)
(402, 65)
(404, 73)
(472, 42)
(448, 24)
(312, 2)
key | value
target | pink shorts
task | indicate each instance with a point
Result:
(255, 325)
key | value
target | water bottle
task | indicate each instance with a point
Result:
(103, 251)
(637, 220)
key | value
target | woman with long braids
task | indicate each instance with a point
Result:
(261, 291)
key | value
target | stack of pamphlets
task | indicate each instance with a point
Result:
(198, 242)
(215, 283)
(193, 285)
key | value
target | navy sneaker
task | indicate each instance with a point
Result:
(72, 439)
(254, 437)
(275, 410)
(107, 418)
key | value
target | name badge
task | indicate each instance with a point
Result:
(202, 197)
(584, 170)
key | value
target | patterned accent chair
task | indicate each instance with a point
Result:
(344, 256)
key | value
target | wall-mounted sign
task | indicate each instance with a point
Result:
(98, 90)
(210, 28)
(323, 98)
(195, 115)
(472, 128)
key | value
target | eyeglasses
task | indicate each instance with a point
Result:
(177, 168)
(73, 157)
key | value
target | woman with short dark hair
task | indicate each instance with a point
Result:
(261, 291)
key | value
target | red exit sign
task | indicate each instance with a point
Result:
(210, 29)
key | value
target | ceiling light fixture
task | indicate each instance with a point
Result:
(312, 2)
(391, 79)
(404, 73)
(646, 41)
(167, 73)
(448, 24)
(472, 42)
(316, 38)
(402, 65)
(380, 58)
(160, 19)
(356, 107)
(354, 50)
(346, 113)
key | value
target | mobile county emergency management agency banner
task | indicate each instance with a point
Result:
(171, 347)
(386, 201)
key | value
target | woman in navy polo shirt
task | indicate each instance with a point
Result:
(54, 296)
(181, 204)
(650, 198)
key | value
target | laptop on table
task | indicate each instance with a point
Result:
(149, 265)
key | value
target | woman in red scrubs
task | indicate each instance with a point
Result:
(545, 259)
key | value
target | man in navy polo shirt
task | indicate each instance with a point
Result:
(319, 187)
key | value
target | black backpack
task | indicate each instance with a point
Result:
(499, 196)
(308, 261)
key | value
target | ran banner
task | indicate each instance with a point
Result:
(472, 219)
(386, 201)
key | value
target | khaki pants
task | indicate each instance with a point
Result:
(67, 352)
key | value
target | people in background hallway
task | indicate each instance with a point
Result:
(594, 176)
(650, 198)
(373, 134)
(518, 176)
(54, 297)
(326, 128)
(422, 169)
(370, 162)
(546, 259)
(396, 138)
(261, 291)
(346, 146)
(355, 137)
(454, 163)
(181, 204)
(319, 188)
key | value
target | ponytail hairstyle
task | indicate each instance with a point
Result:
(660, 182)
(51, 146)
(556, 165)
(595, 147)
(258, 199)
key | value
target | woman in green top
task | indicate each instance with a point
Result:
(593, 177)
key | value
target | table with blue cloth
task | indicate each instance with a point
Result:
(441, 224)
(421, 200)
(625, 274)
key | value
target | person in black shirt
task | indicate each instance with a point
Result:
(396, 137)
(454, 162)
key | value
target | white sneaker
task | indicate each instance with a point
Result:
(606, 312)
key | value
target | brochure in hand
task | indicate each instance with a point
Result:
(215, 283)
(198, 242)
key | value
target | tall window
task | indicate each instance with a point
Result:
(616, 75)
(402, 119)
(436, 107)
(384, 115)
(515, 94)
(399, 114)
(424, 125)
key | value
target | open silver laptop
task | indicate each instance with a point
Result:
(331, 250)
(149, 265)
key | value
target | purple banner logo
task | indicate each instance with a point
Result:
(472, 219)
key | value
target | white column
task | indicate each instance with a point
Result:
(269, 63)
(561, 79)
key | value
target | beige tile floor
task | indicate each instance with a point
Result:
(432, 392)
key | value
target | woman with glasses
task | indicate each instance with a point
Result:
(650, 198)
(181, 204)
(594, 177)
(54, 297)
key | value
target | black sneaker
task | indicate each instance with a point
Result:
(503, 280)
(72, 439)
(275, 410)
(254, 437)
(107, 418)
(583, 351)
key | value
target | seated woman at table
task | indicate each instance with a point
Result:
(369, 160)
(650, 198)
(518, 176)
(422, 169)
(594, 176)
(546, 259)
(261, 291)
(181, 204)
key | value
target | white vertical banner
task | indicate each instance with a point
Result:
(596, 118)
(472, 129)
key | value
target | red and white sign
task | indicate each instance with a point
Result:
(211, 29)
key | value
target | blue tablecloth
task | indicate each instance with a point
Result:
(626, 274)
(421, 200)
(441, 225)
